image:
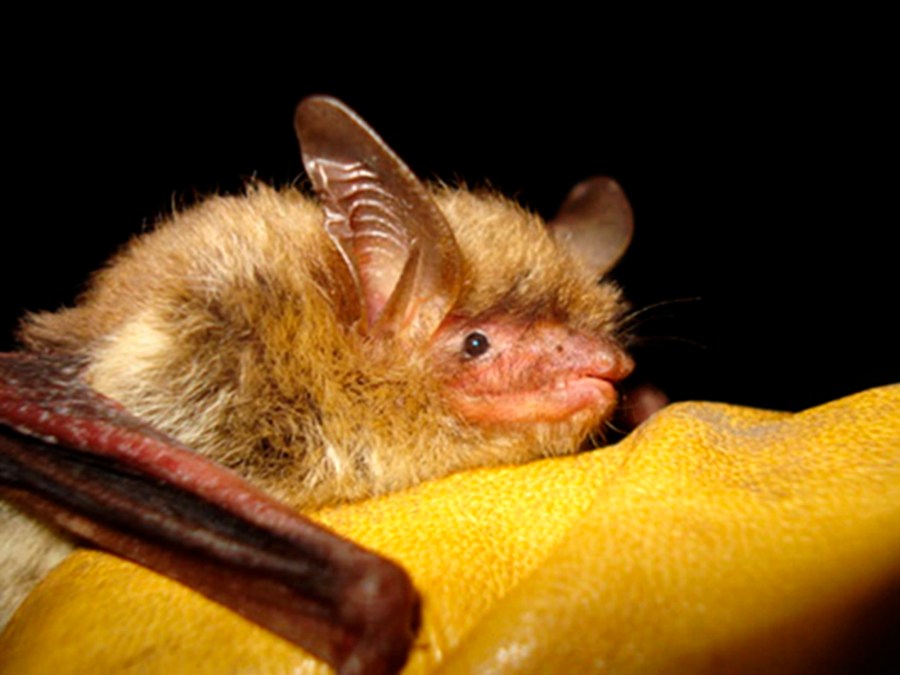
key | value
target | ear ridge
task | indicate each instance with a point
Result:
(395, 241)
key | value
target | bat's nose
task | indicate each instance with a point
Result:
(621, 367)
(605, 359)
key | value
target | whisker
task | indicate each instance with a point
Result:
(639, 323)
(616, 429)
(595, 439)
(642, 340)
(629, 318)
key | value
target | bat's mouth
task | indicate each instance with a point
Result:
(556, 401)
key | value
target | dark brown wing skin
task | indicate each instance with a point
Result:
(80, 461)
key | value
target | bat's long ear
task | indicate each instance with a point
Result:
(595, 223)
(397, 243)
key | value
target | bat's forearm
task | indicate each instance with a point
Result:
(85, 465)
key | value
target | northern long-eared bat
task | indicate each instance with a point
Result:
(326, 350)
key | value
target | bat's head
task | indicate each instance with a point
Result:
(514, 327)
(390, 333)
(530, 347)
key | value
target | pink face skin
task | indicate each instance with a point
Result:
(504, 370)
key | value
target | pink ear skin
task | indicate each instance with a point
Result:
(395, 241)
(81, 462)
(595, 223)
(505, 371)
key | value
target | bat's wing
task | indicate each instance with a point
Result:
(81, 462)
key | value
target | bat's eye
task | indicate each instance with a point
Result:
(476, 344)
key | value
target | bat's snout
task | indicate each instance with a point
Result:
(618, 365)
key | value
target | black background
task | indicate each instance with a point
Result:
(760, 189)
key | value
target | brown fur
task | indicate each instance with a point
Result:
(226, 327)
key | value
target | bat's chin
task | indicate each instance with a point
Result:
(558, 401)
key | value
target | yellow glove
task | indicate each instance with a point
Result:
(713, 539)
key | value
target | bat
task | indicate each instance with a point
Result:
(306, 352)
